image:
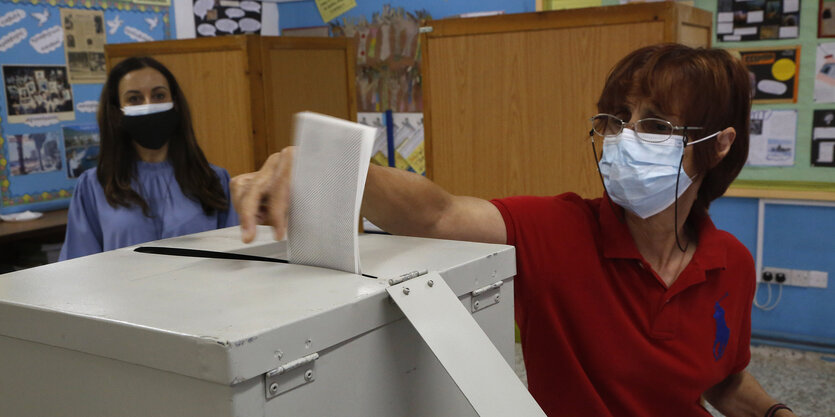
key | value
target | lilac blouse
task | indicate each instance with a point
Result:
(94, 226)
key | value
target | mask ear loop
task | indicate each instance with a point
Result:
(678, 175)
(597, 164)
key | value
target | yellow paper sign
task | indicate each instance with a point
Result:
(418, 159)
(400, 162)
(569, 4)
(330, 9)
(380, 159)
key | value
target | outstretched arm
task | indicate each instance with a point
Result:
(397, 201)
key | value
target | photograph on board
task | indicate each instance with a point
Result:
(216, 18)
(84, 45)
(81, 144)
(825, 73)
(823, 138)
(34, 153)
(773, 136)
(773, 73)
(37, 90)
(826, 19)
(753, 20)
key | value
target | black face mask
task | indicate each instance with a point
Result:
(152, 131)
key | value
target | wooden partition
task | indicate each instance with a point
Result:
(243, 90)
(507, 99)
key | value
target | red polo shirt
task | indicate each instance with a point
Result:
(602, 334)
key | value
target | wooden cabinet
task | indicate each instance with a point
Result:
(507, 99)
(243, 90)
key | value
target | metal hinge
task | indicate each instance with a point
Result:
(291, 375)
(407, 276)
(485, 296)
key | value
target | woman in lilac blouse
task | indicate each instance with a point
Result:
(152, 180)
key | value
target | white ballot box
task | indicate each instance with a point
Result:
(125, 333)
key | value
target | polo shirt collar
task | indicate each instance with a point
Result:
(618, 242)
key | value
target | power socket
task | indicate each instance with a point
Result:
(818, 279)
(773, 272)
(797, 277)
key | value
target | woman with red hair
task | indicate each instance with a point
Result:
(631, 304)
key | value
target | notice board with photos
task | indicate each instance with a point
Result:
(53, 68)
(804, 63)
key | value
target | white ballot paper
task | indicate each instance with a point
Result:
(326, 191)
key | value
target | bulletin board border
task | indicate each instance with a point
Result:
(93, 4)
(121, 5)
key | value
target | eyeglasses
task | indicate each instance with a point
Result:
(649, 129)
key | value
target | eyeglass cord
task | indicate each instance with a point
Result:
(678, 175)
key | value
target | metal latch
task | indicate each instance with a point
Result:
(291, 375)
(425, 29)
(485, 296)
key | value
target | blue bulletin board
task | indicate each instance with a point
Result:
(46, 144)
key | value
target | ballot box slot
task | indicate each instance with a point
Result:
(208, 254)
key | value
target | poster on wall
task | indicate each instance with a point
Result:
(823, 138)
(33, 153)
(825, 73)
(773, 136)
(216, 18)
(37, 95)
(388, 59)
(331, 9)
(84, 41)
(773, 73)
(408, 141)
(81, 144)
(755, 20)
(826, 19)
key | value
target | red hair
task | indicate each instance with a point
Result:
(701, 87)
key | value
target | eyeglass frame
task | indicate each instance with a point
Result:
(623, 124)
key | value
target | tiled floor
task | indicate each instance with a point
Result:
(805, 381)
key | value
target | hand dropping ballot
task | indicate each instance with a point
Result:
(327, 186)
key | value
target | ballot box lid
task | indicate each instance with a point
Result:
(226, 321)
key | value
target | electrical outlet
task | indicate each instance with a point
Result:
(796, 277)
(784, 272)
(818, 279)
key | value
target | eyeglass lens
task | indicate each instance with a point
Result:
(655, 129)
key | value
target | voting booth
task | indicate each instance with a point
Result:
(426, 330)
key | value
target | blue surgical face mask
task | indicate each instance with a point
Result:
(640, 176)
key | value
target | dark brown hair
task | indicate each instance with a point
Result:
(117, 160)
(701, 87)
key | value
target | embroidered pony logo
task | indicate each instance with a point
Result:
(723, 333)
